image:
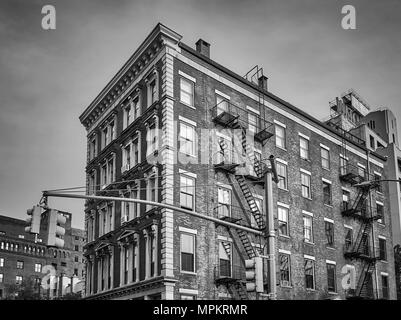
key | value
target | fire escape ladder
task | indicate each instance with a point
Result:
(246, 190)
(365, 280)
(246, 242)
(361, 246)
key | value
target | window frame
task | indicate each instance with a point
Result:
(283, 138)
(309, 187)
(323, 159)
(304, 150)
(193, 236)
(313, 274)
(191, 94)
(286, 222)
(191, 193)
(285, 179)
(306, 228)
(333, 267)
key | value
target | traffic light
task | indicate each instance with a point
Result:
(254, 274)
(33, 220)
(54, 229)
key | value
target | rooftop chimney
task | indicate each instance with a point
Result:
(203, 48)
(262, 82)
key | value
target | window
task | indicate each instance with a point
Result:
(92, 182)
(343, 166)
(253, 122)
(285, 270)
(224, 202)
(76, 259)
(329, 230)
(187, 252)
(222, 104)
(280, 136)
(20, 264)
(21, 236)
(325, 155)
(108, 133)
(152, 92)
(361, 171)
(372, 142)
(1, 262)
(346, 199)
(131, 112)
(306, 185)
(348, 238)
(38, 267)
(126, 264)
(225, 249)
(331, 277)
(187, 139)
(382, 249)
(151, 139)
(282, 175)
(63, 264)
(309, 274)
(308, 229)
(92, 148)
(127, 157)
(379, 185)
(327, 193)
(1, 279)
(187, 92)
(76, 248)
(188, 297)
(385, 287)
(107, 172)
(283, 221)
(380, 212)
(187, 191)
(304, 148)
(18, 280)
(135, 151)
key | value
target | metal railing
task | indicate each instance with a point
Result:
(347, 134)
(235, 214)
(229, 114)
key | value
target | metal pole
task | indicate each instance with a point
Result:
(373, 223)
(271, 234)
(163, 205)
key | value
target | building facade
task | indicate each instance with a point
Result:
(22, 258)
(175, 127)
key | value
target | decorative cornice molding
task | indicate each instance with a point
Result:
(147, 51)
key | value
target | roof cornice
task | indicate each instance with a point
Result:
(159, 33)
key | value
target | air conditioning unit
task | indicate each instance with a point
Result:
(285, 283)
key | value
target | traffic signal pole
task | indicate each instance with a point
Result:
(156, 204)
(269, 176)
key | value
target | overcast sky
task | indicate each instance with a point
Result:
(47, 78)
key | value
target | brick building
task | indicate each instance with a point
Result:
(22, 258)
(215, 130)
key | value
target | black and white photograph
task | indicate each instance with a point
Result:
(200, 150)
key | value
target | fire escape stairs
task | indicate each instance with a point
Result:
(250, 199)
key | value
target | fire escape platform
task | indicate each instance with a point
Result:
(226, 167)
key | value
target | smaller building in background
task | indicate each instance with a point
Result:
(23, 259)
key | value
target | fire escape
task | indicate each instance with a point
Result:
(243, 169)
(360, 249)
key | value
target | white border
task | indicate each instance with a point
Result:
(186, 76)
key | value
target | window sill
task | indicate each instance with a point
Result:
(383, 225)
(187, 155)
(307, 198)
(189, 273)
(310, 243)
(383, 261)
(284, 189)
(281, 148)
(284, 236)
(187, 105)
(328, 205)
(286, 287)
(304, 159)
(332, 292)
(331, 248)
(327, 169)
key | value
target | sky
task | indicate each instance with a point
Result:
(49, 77)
